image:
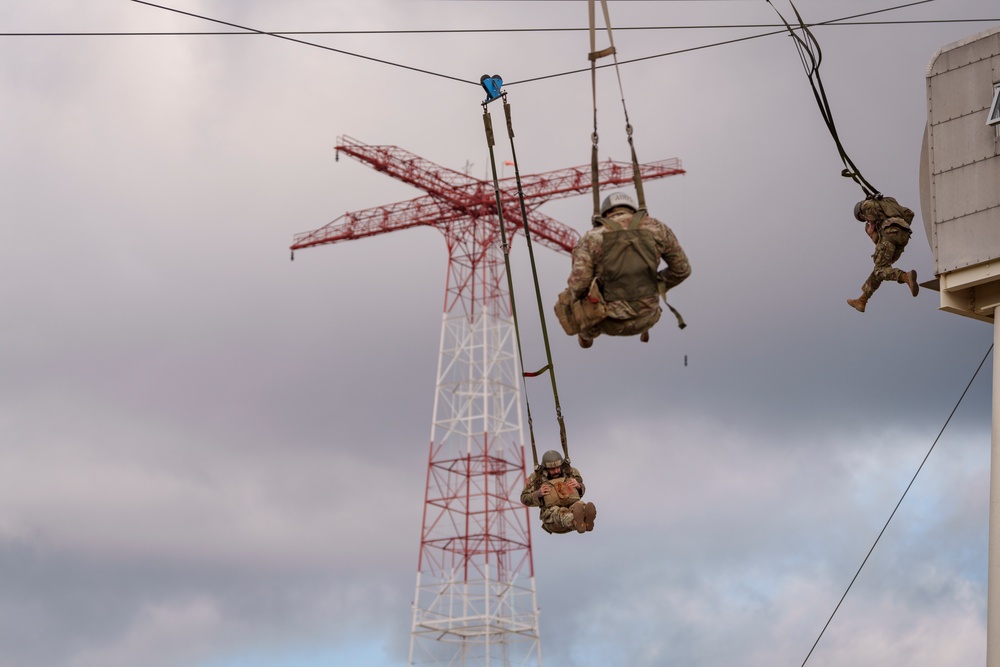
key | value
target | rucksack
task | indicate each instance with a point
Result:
(629, 259)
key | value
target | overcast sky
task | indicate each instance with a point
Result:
(211, 456)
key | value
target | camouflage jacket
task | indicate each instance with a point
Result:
(529, 496)
(886, 212)
(587, 258)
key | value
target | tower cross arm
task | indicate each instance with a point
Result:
(423, 211)
(545, 230)
(577, 180)
(412, 169)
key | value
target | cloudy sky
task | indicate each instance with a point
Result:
(211, 456)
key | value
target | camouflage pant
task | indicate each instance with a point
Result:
(892, 241)
(612, 326)
(557, 519)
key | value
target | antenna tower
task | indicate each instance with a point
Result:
(475, 595)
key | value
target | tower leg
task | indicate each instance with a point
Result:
(475, 598)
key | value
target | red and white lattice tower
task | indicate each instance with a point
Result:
(475, 595)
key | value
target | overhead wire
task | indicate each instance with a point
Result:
(722, 43)
(286, 35)
(464, 31)
(905, 491)
(811, 57)
(300, 41)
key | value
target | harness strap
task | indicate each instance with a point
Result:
(609, 224)
(637, 217)
(549, 367)
(594, 55)
(811, 56)
(614, 226)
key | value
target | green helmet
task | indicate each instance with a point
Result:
(857, 212)
(552, 459)
(618, 199)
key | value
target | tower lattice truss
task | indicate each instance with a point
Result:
(475, 598)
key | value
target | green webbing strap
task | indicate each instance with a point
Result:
(637, 217)
(636, 175)
(616, 227)
(811, 56)
(488, 124)
(680, 320)
(594, 55)
(538, 292)
(610, 224)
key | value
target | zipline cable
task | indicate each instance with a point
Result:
(722, 43)
(302, 41)
(812, 56)
(285, 35)
(493, 86)
(462, 31)
(905, 491)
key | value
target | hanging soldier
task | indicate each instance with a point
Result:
(557, 488)
(887, 224)
(615, 286)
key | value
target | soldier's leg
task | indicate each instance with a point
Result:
(866, 293)
(579, 515)
(899, 239)
(634, 326)
(887, 251)
(589, 514)
(587, 336)
(557, 520)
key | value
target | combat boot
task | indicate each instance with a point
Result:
(910, 278)
(589, 513)
(859, 303)
(644, 337)
(579, 514)
(584, 342)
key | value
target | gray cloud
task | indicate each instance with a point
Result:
(215, 456)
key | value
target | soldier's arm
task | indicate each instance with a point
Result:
(678, 267)
(871, 231)
(579, 480)
(582, 271)
(529, 496)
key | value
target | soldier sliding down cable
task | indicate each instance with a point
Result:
(887, 224)
(557, 488)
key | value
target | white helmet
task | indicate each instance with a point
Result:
(618, 199)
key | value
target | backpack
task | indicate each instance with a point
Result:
(576, 315)
(893, 209)
(629, 259)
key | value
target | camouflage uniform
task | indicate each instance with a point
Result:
(890, 233)
(557, 512)
(627, 317)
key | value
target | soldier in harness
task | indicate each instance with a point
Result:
(557, 488)
(887, 223)
(614, 286)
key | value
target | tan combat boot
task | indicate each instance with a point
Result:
(584, 342)
(910, 278)
(644, 336)
(859, 303)
(579, 514)
(589, 513)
